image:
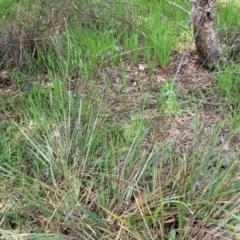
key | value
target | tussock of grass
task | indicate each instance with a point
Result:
(97, 141)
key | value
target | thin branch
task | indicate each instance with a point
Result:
(189, 46)
(172, 3)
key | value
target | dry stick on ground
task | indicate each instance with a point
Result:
(205, 37)
(183, 55)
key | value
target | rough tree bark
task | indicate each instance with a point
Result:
(206, 40)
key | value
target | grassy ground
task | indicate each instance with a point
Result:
(98, 141)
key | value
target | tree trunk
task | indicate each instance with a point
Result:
(206, 40)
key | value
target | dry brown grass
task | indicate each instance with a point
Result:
(29, 30)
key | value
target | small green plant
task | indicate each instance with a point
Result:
(159, 39)
(229, 88)
(167, 101)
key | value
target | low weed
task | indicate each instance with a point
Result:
(167, 100)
